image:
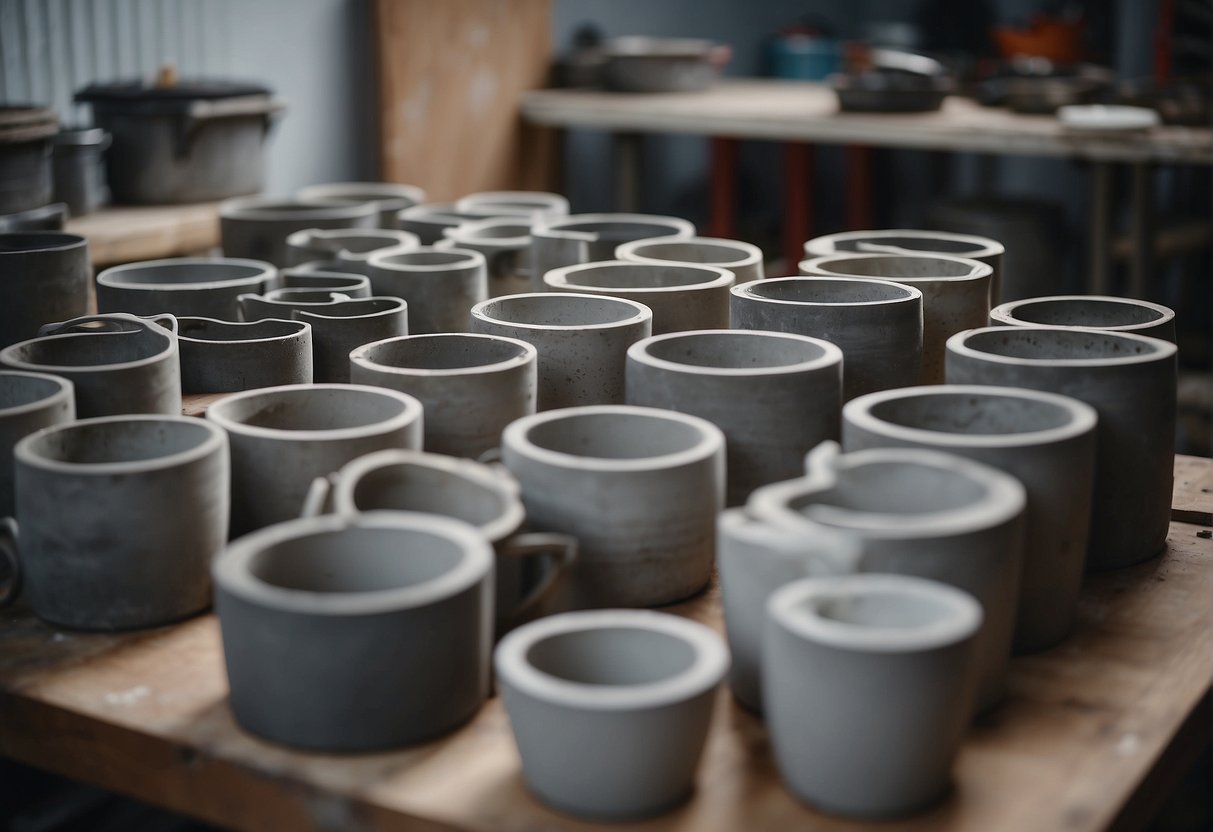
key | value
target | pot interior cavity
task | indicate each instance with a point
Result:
(612, 656)
(94, 443)
(824, 290)
(184, 274)
(1057, 344)
(315, 408)
(93, 349)
(734, 350)
(882, 488)
(407, 487)
(877, 609)
(203, 330)
(1085, 312)
(690, 252)
(928, 244)
(892, 266)
(16, 391)
(622, 231)
(614, 435)
(357, 559)
(446, 352)
(972, 414)
(558, 310)
(638, 276)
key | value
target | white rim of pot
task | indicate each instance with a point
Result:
(1155, 349)
(827, 244)
(380, 307)
(516, 437)
(215, 440)
(292, 209)
(48, 241)
(1003, 496)
(343, 282)
(383, 194)
(749, 291)
(285, 294)
(329, 241)
(1004, 313)
(64, 392)
(410, 411)
(820, 267)
(527, 355)
(714, 277)
(528, 201)
(640, 312)
(1082, 417)
(115, 277)
(442, 213)
(150, 327)
(738, 524)
(464, 258)
(506, 523)
(749, 255)
(232, 571)
(792, 608)
(830, 353)
(708, 668)
(301, 327)
(472, 233)
(560, 227)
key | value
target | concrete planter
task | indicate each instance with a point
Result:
(876, 324)
(505, 243)
(353, 246)
(439, 286)
(340, 328)
(388, 198)
(28, 403)
(1130, 380)
(775, 396)
(742, 259)
(256, 227)
(1089, 312)
(510, 203)
(225, 357)
(589, 238)
(45, 278)
(203, 287)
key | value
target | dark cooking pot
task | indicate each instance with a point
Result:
(189, 142)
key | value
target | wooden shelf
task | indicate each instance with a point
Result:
(126, 233)
(1090, 734)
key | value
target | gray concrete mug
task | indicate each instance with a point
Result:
(28, 403)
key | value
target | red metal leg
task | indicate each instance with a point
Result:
(721, 223)
(798, 202)
(859, 188)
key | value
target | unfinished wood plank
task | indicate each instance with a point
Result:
(1192, 499)
(126, 233)
(450, 78)
(1081, 729)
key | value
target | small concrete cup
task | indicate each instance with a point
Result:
(440, 286)
(28, 403)
(744, 260)
(227, 356)
(1139, 317)
(204, 287)
(587, 238)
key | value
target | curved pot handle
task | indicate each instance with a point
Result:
(319, 499)
(8, 554)
(165, 321)
(532, 544)
(203, 111)
(112, 322)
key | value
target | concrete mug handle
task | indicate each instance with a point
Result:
(564, 550)
(8, 554)
(319, 498)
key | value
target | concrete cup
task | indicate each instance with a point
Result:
(638, 487)
(682, 297)
(505, 243)
(44, 277)
(876, 324)
(1130, 380)
(1139, 317)
(582, 341)
(610, 709)
(226, 357)
(744, 260)
(1045, 441)
(352, 246)
(439, 286)
(589, 238)
(148, 502)
(340, 328)
(203, 287)
(775, 396)
(353, 633)
(868, 682)
(387, 198)
(28, 403)
(471, 385)
(256, 227)
(510, 203)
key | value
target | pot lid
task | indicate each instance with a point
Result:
(181, 91)
(26, 123)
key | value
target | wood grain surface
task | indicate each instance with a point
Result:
(126, 233)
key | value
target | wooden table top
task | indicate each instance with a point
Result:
(756, 108)
(1091, 731)
(126, 233)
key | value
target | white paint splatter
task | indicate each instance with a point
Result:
(128, 697)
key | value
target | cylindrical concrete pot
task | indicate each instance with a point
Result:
(505, 243)
(775, 396)
(282, 438)
(1089, 312)
(532, 568)
(282, 303)
(868, 682)
(318, 276)
(28, 403)
(256, 227)
(508, 203)
(203, 287)
(339, 329)
(742, 259)
(876, 324)
(1130, 380)
(910, 241)
(388, 198)
(582, 341)
(922, 513)
(1045, 441)
(354, 246)
(682, 297)
(589, 238)
(610, 708)
(471, 386)
(428, 221)
(638, 487)
(226, 357)
(955, 294)
(439, 286)
(117, 363)
(356, 633)
(44, 277)
(147, 498)
(753, 559)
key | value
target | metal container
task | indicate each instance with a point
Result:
(192, 141)
(76, 162)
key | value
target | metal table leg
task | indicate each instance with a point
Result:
(625, 150)
(1101, 228)
(722, 219)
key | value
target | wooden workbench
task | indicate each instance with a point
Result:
(126, 233)
(1091, 734)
